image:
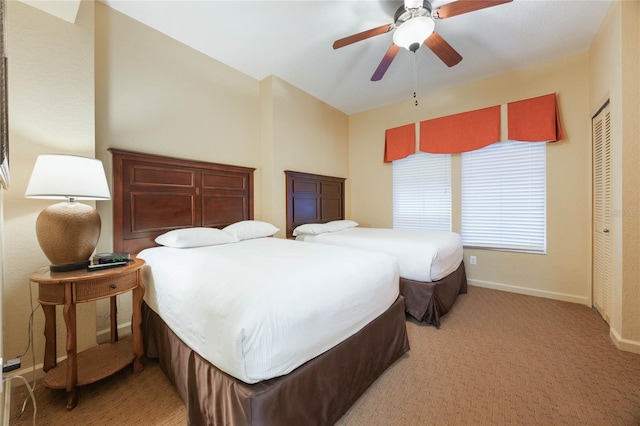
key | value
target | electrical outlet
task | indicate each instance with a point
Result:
(12, 364)
(472, 260)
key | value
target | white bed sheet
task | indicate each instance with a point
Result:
(422, 255)
(257, 309)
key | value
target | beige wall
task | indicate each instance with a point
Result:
(51, 110)
(155, 95)
(614, 66)
(564, 272)
(628, 333)
(301, 134)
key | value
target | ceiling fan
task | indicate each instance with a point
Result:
(414, 24)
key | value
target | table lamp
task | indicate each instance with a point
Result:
(68, 232)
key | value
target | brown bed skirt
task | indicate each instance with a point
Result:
(429, 301)
(317, 393)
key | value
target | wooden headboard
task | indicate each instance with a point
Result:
(154, 194)
(313, 199)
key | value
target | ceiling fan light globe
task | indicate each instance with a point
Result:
(415, 30)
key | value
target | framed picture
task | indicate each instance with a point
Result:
(4, 115)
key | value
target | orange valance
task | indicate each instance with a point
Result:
(462, 132)
(400, 142)
(535, 120)
(530, 120)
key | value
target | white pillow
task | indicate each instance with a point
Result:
(195, 237)
(339, 225)
(311, 229)
(249, 229)
(321, 228)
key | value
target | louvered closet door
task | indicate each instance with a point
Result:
(602, 290)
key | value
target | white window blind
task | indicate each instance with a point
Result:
(504, 197)
(422, 192)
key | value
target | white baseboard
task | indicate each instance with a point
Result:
(582, 300)
(104, 336)
(624, 344)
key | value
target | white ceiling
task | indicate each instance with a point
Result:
(293, 41)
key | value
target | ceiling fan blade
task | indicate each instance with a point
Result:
(464, 6)
(442, 49)
(386, 61)
(362, 36)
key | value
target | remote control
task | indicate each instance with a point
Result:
(98, 266)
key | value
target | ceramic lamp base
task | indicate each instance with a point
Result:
(68, 233)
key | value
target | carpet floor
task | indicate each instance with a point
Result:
(498, 359)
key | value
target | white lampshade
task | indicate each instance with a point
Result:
(412, 31)
(68, 176)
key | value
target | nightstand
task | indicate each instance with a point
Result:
(93, 364)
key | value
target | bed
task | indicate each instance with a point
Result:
(432, 273)
(155, 196)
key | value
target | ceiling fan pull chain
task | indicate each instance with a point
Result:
(415, 76)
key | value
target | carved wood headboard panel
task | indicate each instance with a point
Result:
(154, 194)
(313, 199)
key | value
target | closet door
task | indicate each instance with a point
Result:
(601, 128)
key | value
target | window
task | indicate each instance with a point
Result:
(422, 192)
(504, 197)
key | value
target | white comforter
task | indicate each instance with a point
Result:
(423, 255)
(259, 308)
